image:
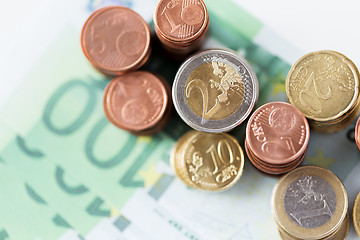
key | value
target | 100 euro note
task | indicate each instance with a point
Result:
(60, 115)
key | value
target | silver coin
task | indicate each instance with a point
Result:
(310, 201)
(215, 91)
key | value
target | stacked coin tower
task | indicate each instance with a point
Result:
(215, 91)
(311, 203)
(211, 162)
(138, 102)
(113, 46)
(357, 133)
(324, 86)
(277, 135)
(116, 41)
(181, 25)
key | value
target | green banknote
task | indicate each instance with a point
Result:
(86, 169)
(25, 209)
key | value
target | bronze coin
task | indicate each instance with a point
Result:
(136, 101)
(116, 40)
(181, 24)
(277, 133)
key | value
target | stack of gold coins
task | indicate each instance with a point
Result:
(138, 102)
(206, 161)
(116, 40)
(311, 203)
(181, 24)
(357, 133)
(356, 215)
(324, 86)
(277, 136)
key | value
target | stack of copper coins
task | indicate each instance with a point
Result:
(325, 87)
(277, 135)
(181, 24)
(138, 102)
(356, 214)
(215, 91)
(116, 40)
(311, 203)
(210, 162)
(357, 133)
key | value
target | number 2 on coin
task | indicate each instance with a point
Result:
(206, 114)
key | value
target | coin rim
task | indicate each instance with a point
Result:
(348, 62)
(356, 212)
(116, 71)
(281, 217)
(214, 126)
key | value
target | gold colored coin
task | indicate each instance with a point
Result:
(176, 157)
(324, 85)
(309, 203)
(219, 86)
(356, 214)
(213, 162)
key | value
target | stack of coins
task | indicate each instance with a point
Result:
(181, 24)
(357, 133)
(324, 86)
(311, 203)
(277, 135)
(211, 162)
(138, 102)
(116, 40)
(215, 91)
(356, 214)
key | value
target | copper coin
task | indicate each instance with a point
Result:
(116, 40)
(136, 101)
(357, 133)
(181, 20)
(272, 169)
(277, 133)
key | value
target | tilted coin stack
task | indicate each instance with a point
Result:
(277, 135)
(311, 202)
(210, 162)
(324, 86)
(181, 25)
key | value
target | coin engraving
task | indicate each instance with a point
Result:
(277, 129)
(212, 160)
(322, 84)
(136, 100)
(310, 201)
(115, 38)
(184, 18)
(218, 86)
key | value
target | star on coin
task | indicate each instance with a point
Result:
(321, 160)
(150, 176)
